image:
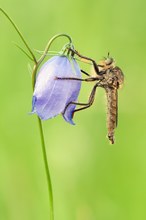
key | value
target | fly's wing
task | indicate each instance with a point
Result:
(116, 95)
(119, 75)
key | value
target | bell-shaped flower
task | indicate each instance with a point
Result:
(51, 95)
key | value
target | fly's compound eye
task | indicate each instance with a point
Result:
(109, 61)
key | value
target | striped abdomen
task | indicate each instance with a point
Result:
(112, 111)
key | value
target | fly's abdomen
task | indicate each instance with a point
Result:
(112, 112)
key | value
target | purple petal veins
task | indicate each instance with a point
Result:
(51, 96)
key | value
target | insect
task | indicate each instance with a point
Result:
(108, 76)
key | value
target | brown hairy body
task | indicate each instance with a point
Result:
(109, 77)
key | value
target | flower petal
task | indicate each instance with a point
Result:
(51, 95)
(76, 85)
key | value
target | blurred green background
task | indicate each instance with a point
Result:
(91, 178)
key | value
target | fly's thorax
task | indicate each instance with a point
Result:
(113, 78)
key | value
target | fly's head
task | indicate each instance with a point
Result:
(107, 63)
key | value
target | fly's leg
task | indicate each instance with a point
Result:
(95, 65)
(90, 101)
(90, 79)
(87, 74)
(85, 105)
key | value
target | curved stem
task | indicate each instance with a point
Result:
(49, 44)
(35, 68)
(49, 183)
(45, 53)
(40, 123)
(19, 33)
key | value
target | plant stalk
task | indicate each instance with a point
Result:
(35, 68)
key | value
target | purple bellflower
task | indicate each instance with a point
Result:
(51, 95)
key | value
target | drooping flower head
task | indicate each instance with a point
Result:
(52, 96)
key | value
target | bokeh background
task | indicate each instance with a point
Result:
(91, 178)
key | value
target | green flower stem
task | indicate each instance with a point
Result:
(40, 60)
(49, 183)
(34, 72)
(49, 44)
(40, 123)
(19, 33)
(47, 170)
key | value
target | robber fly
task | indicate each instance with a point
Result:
(109, 77)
